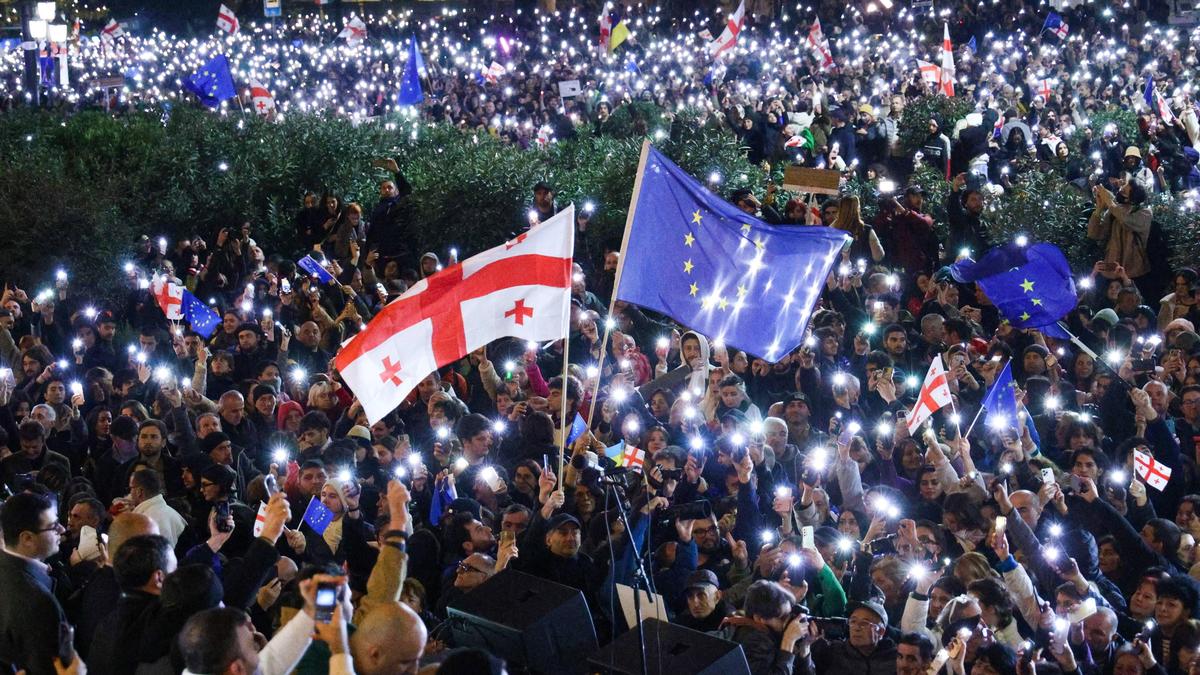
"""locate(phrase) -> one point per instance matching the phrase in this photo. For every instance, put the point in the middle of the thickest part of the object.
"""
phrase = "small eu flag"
(213, 83)
(310, 265)
(706, 263)
(578, 426)
(317, 516)
(1031, 286)
(202, 319)
(1000, 402)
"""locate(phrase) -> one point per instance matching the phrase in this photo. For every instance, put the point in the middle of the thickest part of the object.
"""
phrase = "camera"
(834, 628)
(671, 474)
(699, 510)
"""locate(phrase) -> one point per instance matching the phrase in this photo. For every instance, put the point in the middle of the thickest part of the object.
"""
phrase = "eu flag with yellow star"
(1031, 285)
(704, 262)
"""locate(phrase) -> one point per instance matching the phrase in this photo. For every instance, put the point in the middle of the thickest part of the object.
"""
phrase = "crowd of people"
(161, 484)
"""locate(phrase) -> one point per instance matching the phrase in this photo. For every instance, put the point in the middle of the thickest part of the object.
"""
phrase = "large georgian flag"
(520, 289)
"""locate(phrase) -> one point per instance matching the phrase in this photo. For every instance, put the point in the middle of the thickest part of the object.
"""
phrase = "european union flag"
(707, 264)
(317, 516)
(202, 319)
(1055, 24)
(578, 426)
(1001, 402)
(310, 265)
(213, 83)
(410, 82)
(1031, 285)
(443, 494)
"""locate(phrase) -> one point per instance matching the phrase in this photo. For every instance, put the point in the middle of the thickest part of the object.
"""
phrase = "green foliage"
(914, 123)
(91, 184)
(1125, 121)
(1043, 206)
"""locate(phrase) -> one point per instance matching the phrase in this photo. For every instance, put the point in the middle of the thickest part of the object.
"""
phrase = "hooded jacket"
(683, 377)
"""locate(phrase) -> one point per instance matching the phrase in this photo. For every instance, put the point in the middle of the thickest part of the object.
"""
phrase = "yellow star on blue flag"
(772, 275)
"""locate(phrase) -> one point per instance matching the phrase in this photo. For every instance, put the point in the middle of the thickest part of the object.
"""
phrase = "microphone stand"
(640, 578)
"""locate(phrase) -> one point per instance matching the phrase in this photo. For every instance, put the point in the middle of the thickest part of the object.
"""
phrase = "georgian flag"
(355, 31)
(1044, 89)
(520, 289)
(605, 27)
(227, 20)
(733, 26)
(819, 46)
(493, 72)
(260, 520)
(947, 83)
(260, 98)
(935, 395)
(930, 72)
(1154, 473)
(112, 30)
(634, 458)
(169, 297)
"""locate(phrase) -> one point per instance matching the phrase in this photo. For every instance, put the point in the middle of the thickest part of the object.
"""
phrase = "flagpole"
(564, 389)
(609, 321)
(981, 407)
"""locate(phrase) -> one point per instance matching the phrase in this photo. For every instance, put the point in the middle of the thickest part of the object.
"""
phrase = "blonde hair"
(972, 566)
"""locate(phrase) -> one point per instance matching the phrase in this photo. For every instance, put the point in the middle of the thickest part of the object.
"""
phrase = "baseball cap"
(795, 396)
(542, 185)
(700, 578)
(465, 505)
(560, 519)
(871, 605)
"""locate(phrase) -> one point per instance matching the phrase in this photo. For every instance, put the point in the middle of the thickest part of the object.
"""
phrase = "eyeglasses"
(55, 526)
(863, 623)
(464, 568)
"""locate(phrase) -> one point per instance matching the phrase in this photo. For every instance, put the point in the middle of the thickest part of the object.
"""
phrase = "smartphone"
(66, 643)
(326, 601)
(1143, 365)
(223, 524)
(1083, 611)
(271, 484)
(1076, 484)
(285, 286)
(1047, 476)
(1001, 524)
(806, 538)
(507, 537)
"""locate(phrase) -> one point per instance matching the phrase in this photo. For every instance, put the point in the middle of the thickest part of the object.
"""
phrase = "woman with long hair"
(865, 243)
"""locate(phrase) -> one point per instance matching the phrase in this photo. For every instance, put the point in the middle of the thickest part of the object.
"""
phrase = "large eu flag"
(1031, 285)
(213, 83)
(707, 264)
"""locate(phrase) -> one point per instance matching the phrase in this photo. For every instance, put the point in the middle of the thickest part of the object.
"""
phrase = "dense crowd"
(783, 506)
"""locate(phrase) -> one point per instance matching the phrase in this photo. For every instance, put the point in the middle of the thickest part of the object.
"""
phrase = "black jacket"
(29, 617)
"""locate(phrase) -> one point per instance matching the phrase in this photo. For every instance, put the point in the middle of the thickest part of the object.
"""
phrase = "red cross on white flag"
(634, 458)
(260, 98)
(227, 20)
(930, 72)
(819, 46)
(733, 26)
(112, 30)
(935, 395)
(1155, 473)
(355, 31)
(947, 83)
(519, 289)
(169, 297)
(260, 520)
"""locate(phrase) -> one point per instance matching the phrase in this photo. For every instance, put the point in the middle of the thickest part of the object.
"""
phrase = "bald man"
(390, 640)
(1026, 503)
(100, 595)
(1100, 633)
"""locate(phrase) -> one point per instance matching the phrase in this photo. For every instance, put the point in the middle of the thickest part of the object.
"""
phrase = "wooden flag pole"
(609, 322)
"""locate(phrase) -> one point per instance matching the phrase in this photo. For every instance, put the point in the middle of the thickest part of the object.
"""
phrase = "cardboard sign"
(811, 181)
(569, 88)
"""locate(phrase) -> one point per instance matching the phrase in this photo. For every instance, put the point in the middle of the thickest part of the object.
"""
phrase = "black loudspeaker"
(670, 649)
(528, 621)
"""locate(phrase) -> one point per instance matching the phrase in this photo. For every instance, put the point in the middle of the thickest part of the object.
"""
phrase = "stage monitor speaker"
(670, 650)
(528, 621)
